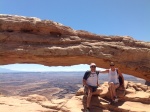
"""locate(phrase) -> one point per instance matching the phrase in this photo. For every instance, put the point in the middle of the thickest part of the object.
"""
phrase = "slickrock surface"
(16, 104)
(132, 101)
(31, 40)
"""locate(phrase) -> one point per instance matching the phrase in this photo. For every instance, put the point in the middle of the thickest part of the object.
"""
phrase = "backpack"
(119, 78)
(120, 90)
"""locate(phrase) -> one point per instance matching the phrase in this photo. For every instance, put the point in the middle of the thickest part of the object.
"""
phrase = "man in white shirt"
(90, 80)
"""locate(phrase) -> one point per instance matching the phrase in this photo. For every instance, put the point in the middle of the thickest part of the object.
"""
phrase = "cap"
(92, 64)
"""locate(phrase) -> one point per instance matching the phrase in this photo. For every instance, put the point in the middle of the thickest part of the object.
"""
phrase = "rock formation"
(135, 99)
(31, 40)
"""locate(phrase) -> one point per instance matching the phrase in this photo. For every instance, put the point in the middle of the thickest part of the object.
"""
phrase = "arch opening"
(35, 44)
(58, 84)
(74, 68)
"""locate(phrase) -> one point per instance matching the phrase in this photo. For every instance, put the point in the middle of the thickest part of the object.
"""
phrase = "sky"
(103, 17)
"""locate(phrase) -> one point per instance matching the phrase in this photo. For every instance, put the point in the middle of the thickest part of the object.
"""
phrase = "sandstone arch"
(31, 40)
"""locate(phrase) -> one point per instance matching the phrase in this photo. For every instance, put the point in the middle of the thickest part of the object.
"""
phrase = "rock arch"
(31, 40)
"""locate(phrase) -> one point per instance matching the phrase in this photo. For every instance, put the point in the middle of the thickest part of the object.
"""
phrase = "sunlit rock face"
(133, 98)
(31, 40)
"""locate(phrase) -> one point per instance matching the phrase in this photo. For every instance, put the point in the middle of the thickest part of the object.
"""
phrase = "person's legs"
(92, 91)
(115, 95)
(89, 96)
(115, 87)
(111, 90)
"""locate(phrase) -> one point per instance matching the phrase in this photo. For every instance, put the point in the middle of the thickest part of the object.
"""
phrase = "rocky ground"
(135, 99)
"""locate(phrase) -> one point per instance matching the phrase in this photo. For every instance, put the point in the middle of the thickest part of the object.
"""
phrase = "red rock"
(31, 40)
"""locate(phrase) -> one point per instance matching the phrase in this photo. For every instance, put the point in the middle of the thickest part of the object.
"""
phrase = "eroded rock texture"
(31, 40)
(135, 99)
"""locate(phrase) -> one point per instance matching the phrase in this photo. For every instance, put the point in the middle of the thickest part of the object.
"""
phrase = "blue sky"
(104, 17)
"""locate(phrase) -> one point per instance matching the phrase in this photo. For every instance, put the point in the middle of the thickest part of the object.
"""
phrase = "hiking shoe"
(115, 100)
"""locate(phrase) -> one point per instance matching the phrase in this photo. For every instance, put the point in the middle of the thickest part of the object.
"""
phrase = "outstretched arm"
(104, 71)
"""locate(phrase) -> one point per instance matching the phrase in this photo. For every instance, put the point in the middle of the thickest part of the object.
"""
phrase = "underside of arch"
(31, 40)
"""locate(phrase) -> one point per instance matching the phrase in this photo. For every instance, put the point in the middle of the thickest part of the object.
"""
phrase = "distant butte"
(31, 40)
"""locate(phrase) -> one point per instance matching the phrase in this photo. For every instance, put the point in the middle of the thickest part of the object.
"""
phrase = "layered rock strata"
(31, 40)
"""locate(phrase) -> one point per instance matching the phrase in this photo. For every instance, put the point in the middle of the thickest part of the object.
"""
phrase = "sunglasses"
(112, 65)
(93, 66)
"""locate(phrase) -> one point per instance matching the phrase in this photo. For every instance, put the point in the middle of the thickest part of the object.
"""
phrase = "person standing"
(90, 81)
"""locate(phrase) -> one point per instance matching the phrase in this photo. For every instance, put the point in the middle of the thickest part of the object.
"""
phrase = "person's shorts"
(94, 88)
(116, 84)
